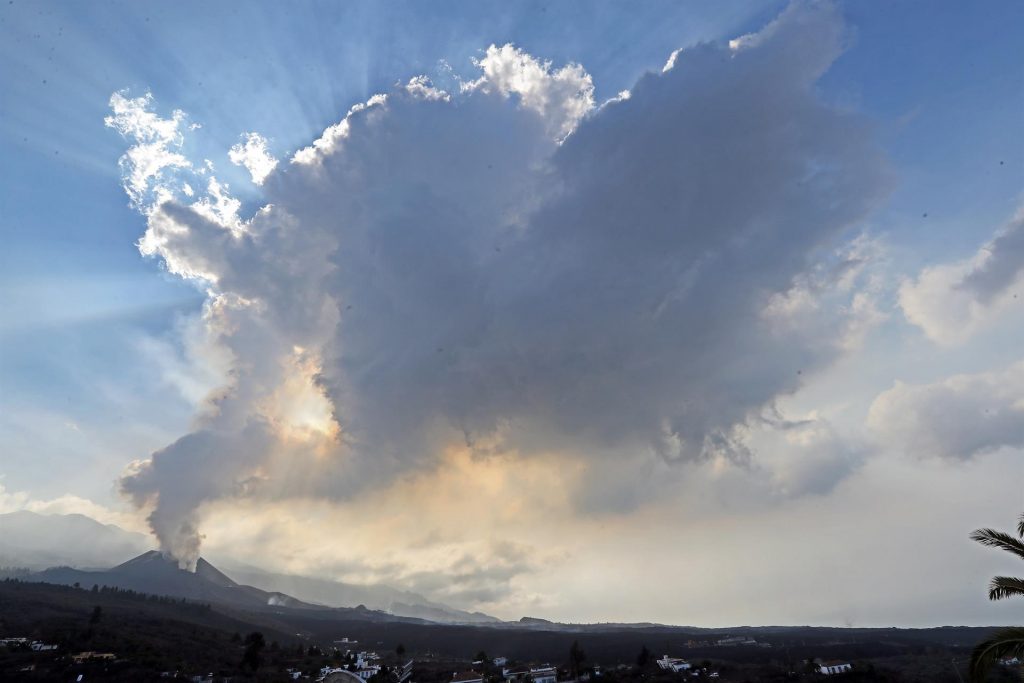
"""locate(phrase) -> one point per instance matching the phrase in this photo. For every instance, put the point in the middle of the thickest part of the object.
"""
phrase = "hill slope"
(375, 597)
(36, 541)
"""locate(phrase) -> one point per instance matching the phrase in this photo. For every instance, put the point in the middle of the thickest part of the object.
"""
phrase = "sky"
(698, 313)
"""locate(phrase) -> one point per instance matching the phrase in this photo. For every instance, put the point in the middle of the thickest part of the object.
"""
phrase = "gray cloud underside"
(1004, 263)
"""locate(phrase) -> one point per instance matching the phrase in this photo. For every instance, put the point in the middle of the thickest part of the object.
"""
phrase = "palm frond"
(1009, 642)
(1004, 587)
(1020, 526)
(998, 539)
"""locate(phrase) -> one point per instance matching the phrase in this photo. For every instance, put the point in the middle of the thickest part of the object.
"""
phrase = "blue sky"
(95, 366)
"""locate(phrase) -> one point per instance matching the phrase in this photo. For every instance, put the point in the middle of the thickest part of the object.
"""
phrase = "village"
(77, 635)
(343, 661)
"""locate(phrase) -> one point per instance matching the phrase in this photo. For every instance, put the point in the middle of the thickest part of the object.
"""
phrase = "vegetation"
(150, 635)
(576, 659)
(1008, 642)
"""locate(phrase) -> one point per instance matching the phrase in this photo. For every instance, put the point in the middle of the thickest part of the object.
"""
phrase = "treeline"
(127, 593)
(15, 572)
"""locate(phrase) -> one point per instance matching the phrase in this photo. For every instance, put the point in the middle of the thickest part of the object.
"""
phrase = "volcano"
(158, 574)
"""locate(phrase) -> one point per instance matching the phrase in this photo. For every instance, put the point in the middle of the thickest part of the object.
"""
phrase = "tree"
(1008, 642)
(97, 614)
(643, 657)
(253, 646)
(400, 650)
(481, 657)
(576, 658)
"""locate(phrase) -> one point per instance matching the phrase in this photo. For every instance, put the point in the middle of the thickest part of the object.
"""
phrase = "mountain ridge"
(56, 547)
(153, 572)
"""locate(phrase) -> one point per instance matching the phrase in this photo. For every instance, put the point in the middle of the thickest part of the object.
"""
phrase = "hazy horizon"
(701, 314)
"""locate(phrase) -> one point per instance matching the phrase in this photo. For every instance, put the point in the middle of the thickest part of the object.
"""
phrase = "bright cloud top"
(254, 156)
(512, 269)
(157, 146)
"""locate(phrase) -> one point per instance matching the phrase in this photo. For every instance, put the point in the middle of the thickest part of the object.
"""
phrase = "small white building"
(834, 666)
(467, 677)
(515, 673)
(673, 664)
(544, 674)
(337, 675)
(368, 672)
(500, 661)
(404, 672)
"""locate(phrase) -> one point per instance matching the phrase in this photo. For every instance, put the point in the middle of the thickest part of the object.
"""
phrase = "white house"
(544, 674)
(673, 664)
(337, 675)
(834, 666)
(515, 673)
(500, 661)
(404, 672)
(467, 677)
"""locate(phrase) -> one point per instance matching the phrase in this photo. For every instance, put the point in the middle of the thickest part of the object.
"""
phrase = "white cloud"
(956, 418)
(420, 86)
(157, 147)
(954, 301)
(253, 155)
(512, 269)
(333, 136)
(562, 97)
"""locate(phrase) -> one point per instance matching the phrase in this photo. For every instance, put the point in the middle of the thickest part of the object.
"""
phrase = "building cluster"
(26, 644)
(733, 641)
(361, 666)
(678, 665)
(728, 641)
(830, 667)
(91, 656)
(510, 674)
(673, 664)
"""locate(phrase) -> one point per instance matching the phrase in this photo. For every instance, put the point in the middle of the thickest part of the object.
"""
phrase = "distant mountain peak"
(34, 540)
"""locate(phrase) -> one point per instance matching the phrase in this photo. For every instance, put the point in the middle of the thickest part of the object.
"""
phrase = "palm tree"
(1008, 642)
